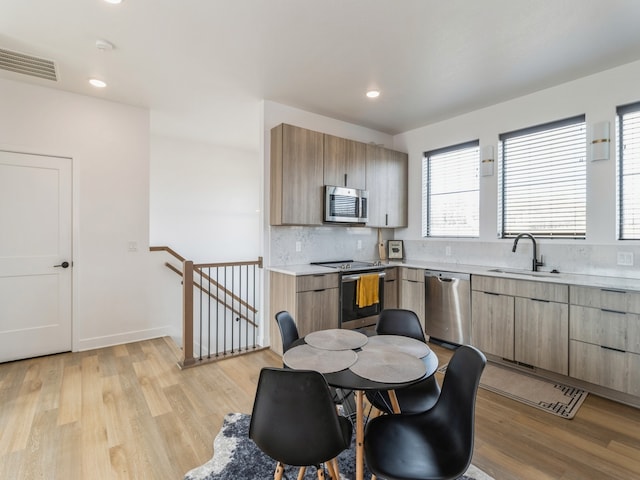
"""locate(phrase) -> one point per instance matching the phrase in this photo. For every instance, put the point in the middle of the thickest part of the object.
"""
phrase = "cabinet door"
(391, 293)
(412, 297)
(397, 194)
(387, 186)
(297, 176)
(599, 365)
(317, 310)
(492, 323)
(344, 162)
(542, 334)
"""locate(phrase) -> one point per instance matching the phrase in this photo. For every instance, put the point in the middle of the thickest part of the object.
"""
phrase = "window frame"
(503, 232)
(622, 110)
(426, 185)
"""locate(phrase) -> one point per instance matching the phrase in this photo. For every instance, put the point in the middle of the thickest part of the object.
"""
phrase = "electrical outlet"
(298, 246)
(359, 245)
(133, 246)
(625, 259)
(447, 251)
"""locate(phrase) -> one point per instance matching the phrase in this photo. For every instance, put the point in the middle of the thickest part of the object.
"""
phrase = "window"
(628, 132)
(450, 191)
(542, 180)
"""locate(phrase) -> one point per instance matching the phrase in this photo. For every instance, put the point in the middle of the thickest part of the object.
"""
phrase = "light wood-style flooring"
(128, 412)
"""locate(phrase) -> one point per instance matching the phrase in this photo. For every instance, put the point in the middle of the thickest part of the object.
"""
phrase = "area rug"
(555, 398)
(236, 457)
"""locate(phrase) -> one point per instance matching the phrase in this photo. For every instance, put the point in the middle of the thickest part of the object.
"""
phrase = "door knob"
(63, 265)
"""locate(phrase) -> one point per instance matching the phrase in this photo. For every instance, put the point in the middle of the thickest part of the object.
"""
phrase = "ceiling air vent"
(27, 65)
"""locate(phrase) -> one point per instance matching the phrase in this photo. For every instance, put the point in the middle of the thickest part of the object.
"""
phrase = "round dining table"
(380, 367)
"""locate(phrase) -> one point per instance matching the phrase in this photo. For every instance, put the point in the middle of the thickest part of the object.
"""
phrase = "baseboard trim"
(118, 339)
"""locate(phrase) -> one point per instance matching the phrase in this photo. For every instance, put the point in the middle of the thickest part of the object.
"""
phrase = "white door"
(35, 244)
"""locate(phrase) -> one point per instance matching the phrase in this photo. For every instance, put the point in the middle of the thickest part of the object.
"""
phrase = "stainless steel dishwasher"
(448, 306)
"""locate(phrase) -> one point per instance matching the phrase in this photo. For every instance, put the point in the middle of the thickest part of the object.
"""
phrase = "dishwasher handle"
(446, 276)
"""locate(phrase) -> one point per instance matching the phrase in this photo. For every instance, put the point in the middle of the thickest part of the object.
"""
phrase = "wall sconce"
(600, 141)
(487, 161)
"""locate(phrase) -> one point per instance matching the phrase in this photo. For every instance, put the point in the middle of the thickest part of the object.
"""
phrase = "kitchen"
(596, 255)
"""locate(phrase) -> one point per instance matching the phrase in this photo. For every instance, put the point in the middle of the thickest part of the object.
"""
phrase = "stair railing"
(219, 317)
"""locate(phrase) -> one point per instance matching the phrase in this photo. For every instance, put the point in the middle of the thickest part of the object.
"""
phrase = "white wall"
(205, 200)
(109, 146)
(596, 96)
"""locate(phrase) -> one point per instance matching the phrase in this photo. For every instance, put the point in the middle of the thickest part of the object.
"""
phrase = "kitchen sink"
(512, 271)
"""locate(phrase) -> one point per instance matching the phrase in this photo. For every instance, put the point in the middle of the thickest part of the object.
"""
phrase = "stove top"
(350, 265)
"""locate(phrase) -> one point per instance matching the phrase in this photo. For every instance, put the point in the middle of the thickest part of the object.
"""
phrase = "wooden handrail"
(198, 269)
(168, 250)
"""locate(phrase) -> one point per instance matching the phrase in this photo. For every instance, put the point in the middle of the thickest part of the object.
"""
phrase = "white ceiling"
(202, 66)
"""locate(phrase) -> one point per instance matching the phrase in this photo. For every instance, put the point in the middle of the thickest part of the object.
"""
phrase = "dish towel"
(367, 290)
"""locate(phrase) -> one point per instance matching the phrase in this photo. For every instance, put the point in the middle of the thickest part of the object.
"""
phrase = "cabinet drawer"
(552, 292)
(316, 282)
(390, 274)
(598, 327)
(607, 298)
(412, 274)
(598, 365)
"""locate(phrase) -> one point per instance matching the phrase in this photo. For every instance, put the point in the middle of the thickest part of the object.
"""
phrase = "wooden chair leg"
(301, 472)
(321, 473)
(279, 471)
(332, 470)
(336, 468)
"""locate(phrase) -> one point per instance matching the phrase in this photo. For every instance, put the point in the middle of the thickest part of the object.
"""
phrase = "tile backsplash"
(301, 245)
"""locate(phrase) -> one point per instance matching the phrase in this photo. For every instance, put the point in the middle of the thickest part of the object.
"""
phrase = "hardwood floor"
(127, 412)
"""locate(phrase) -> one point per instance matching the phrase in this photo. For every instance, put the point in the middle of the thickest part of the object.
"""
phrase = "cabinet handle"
(321, 290)
(613, 349)
(492, 293)
(386, 219)
(612, 311)
(389, 281)
(540, 300)
(345, 179)
(612, 290)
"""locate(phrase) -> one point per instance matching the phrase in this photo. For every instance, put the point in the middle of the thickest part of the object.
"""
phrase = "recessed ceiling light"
(373, 93)
(97, 83)
(114, 2)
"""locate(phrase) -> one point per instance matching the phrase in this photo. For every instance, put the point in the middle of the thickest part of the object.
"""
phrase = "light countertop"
(621, 283)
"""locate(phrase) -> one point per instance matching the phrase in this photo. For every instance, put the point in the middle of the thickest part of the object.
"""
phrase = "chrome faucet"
(535, 263)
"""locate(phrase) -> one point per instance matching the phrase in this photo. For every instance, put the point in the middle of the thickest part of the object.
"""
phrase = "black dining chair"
(415, 398)
(289, 334)
(294, 421)
(288, 329)
(438, 443)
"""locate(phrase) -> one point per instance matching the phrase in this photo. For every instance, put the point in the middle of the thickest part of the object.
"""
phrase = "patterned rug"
(236, 457)
(555, 398)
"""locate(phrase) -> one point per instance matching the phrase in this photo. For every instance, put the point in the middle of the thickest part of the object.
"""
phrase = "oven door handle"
(356, 277)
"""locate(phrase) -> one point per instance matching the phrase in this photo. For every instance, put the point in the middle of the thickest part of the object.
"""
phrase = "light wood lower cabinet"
(605, 338)
(411, 291)
(391, 288)
(522, 321)
(312, 300)
(493, 323)
(542, 334)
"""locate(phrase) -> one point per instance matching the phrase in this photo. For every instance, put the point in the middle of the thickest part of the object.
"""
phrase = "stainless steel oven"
(351, 315)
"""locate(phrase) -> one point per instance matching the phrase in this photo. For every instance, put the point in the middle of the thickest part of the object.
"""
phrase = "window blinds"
(629, 172)
(450, 194)
(542, 180)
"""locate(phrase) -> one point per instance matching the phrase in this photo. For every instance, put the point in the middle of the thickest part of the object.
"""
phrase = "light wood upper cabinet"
(386, 175)
(297, 176)
(344, 162)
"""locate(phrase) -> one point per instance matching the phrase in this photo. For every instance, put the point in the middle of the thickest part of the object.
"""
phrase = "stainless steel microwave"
(345, 205)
